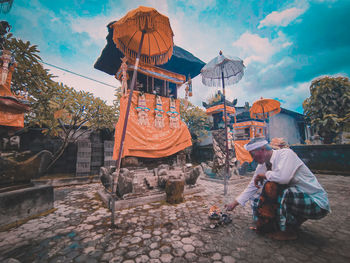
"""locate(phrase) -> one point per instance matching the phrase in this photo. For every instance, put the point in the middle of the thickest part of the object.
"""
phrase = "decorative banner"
(158, 111)
(125, 76)
(142, 110)
(173, 115)
(149, 142)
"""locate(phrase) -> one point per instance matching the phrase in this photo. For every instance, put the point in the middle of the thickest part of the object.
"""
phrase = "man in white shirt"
(283, 192)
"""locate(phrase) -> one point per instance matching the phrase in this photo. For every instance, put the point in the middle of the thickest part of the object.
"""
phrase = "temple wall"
(329, 158)
(284, 126)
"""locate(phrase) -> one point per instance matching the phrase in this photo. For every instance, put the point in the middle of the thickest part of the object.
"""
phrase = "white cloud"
(260, 49)
(284, 62)
(95, 27)
(283, 18)
(293, 96)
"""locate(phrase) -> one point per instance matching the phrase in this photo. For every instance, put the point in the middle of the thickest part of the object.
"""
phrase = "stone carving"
(12, 171)
(139, 181)
(124, 182)
(220, 155)
(106, 177)
(11, 143)
(192, 176)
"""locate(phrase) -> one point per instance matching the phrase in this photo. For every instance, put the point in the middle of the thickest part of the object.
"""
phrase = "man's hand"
(259, 179)
(231, 206)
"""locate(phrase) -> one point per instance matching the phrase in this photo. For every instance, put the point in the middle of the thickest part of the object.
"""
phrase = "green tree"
(29, 78)
(70, 111)
(195, 118)
(328, 106)
(60, 110)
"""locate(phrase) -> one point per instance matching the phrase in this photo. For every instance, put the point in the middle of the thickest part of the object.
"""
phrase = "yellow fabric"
(264, 108)
(242, 154)
(157, 47)
(148, 141)
(219, 108)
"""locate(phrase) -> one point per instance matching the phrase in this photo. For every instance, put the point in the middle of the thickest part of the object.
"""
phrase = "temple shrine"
(241, 128)
(154, 129)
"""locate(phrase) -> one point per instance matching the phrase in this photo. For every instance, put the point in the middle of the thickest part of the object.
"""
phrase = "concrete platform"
(21, 204)
(58, 182)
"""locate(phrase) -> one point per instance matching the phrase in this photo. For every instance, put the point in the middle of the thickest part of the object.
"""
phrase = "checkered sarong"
(294, 207)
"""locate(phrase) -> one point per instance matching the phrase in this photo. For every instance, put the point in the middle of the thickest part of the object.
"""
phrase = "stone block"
(174, 190)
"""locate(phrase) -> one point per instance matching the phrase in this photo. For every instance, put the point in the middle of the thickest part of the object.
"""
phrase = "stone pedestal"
(174, 190)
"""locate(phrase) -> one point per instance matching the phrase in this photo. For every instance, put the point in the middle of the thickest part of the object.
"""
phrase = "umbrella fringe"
(122, 28)
(153, 60)
(216, 82)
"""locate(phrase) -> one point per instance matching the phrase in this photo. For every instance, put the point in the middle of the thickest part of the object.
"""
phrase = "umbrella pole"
(227, 168)
(116, 174)
(265, 124)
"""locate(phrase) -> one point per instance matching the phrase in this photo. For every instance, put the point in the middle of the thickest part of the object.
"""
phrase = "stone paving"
(79, 231)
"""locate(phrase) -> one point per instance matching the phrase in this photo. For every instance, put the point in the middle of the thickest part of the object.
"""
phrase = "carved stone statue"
(13, 172)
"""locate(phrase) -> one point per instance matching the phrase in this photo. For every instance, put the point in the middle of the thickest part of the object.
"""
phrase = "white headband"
(255, 145)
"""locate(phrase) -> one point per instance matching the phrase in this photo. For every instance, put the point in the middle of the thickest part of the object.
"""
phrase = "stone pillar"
(174, 189)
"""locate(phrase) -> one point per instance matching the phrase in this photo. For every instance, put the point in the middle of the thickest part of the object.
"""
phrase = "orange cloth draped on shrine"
(11, 118)
(149, 141)
(242, 154)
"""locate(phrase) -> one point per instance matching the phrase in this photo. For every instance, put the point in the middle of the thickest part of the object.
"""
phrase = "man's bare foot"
(283, 235)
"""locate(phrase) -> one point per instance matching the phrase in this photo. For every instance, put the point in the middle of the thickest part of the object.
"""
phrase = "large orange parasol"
(142, 34)
(265, 108)
(145, 26)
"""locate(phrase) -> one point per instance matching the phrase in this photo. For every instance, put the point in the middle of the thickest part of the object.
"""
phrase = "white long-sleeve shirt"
(287, 168)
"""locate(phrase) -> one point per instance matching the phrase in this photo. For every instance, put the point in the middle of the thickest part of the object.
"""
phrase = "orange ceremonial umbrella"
(145, 35)
(265, 108)
(146, 29)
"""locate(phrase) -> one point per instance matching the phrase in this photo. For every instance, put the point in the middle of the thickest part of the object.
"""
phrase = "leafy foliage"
(196, 120)
(58, 109)
(328, 106)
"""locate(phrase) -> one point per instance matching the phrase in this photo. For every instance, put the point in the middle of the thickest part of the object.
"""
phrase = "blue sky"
(284, 44)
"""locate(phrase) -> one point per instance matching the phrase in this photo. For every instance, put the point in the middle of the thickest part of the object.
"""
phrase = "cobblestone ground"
(79, 231)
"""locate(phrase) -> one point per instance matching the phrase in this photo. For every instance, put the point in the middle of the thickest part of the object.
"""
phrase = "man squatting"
(283, 192)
